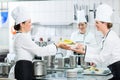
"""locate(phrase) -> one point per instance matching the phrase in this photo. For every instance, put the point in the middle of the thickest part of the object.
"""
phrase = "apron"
(115, 69)
(24, 70)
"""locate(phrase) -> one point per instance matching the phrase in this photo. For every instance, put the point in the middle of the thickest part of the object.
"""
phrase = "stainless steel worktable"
(62, 76)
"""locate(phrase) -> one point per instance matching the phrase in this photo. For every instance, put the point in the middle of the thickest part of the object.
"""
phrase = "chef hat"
(20, 14)
(104, 13)
(81, 16)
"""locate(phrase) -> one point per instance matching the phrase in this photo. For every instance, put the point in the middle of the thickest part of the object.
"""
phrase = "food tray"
(97, 74)
(65, 68)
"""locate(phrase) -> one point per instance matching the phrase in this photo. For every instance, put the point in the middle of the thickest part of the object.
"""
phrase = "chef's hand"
(80, 49)
(63, 46)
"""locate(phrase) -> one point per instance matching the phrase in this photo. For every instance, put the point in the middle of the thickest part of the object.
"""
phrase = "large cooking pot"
(4, 68)
(39, 68)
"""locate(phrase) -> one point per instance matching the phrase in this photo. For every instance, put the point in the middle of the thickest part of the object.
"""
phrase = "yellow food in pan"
(67, 41)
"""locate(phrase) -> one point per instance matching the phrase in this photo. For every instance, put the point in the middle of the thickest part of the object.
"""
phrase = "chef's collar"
(107, 34)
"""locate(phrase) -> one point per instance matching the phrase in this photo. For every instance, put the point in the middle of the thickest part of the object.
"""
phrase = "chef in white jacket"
(25, 48)
(109, 53)
(83, 34)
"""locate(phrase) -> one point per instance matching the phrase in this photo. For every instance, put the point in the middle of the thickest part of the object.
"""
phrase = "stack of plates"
(71, 73)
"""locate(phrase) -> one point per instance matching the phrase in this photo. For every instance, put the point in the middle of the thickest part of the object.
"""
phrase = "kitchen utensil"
(73, 61)
(50, 61)
(82, 61)
(39, 68)
(4, 68)
(61, 63)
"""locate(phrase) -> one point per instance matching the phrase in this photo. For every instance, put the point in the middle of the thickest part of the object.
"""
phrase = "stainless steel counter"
(62, 76)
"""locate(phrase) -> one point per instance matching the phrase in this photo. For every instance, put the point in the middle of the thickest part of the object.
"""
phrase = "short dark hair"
(85, 22)
(17, 27)
(109, 25)
(82, 23)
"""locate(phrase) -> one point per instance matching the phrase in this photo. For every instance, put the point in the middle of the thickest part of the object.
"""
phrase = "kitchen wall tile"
(116, 4)
(116, 28)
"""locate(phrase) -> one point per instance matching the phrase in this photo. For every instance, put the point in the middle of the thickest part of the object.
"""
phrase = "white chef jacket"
(108, 54)
(88, 38)
(25, 48)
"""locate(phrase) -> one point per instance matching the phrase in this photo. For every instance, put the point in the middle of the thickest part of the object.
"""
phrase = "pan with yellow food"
(68, 41)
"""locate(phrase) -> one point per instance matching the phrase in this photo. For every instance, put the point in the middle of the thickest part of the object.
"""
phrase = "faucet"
(58, 53)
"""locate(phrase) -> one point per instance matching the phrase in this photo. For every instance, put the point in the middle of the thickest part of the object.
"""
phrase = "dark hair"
(81, 24)
(17, 27)
(85, 22)
(109, 25)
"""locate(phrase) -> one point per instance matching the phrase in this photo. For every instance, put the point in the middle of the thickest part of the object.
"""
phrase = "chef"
(25, 48)
(109, 53)
(82, 35)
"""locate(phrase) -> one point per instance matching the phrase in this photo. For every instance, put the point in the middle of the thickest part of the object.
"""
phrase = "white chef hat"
(104, 13)
(20, 14)
(81, 16)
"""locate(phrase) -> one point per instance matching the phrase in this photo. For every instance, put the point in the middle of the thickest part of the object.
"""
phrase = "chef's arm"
(98, 56)
(42, 51)
(91, 54)
(80, 49)
(62, 45)
(28, 45)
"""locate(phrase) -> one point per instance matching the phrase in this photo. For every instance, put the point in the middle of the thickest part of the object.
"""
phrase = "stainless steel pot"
(82, 61)
(73, 61)
(50, 61)
(4, 68)
(39, 68)
(61, 63)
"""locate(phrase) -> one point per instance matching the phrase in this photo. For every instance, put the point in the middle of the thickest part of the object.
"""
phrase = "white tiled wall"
(55, 32)
(4, 38)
